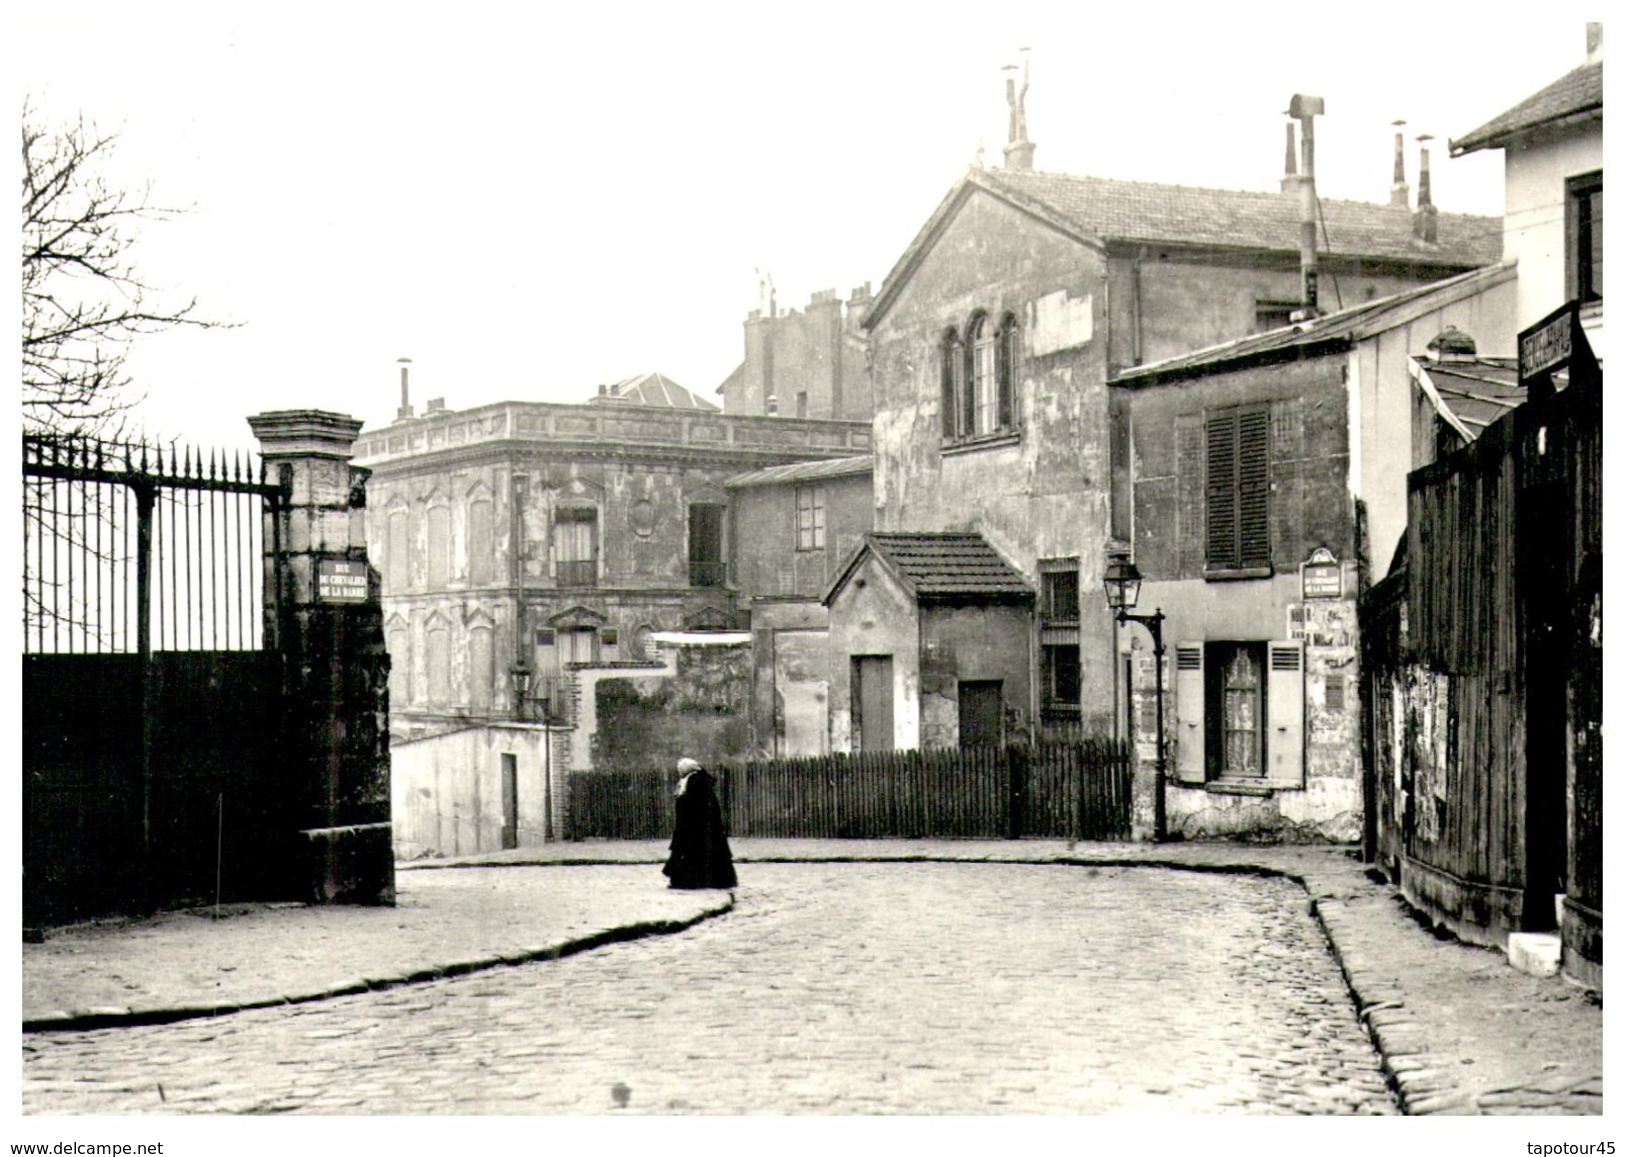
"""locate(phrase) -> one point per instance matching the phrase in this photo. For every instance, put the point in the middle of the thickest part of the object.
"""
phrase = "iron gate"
(151, 679)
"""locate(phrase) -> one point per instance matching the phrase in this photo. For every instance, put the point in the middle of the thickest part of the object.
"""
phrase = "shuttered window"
(1238, 485)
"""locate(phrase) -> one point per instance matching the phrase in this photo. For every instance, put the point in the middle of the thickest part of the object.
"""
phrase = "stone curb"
(85, 1020)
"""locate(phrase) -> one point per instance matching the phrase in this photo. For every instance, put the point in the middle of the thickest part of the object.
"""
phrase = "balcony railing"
(578, 573)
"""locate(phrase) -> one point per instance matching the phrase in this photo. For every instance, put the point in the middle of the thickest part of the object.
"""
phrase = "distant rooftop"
(804, 472)
(1241, 219)
(652, 389)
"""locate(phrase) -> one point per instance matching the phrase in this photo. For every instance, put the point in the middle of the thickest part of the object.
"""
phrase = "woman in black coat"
(700, 857)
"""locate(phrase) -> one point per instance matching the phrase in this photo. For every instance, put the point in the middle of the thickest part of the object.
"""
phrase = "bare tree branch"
(83, 300)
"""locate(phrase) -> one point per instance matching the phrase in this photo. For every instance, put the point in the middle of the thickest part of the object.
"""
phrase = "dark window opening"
(1585, 237)
(1059, 599)
(706, 564)
(1062, 676)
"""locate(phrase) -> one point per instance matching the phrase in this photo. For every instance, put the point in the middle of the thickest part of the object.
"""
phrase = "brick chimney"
(1399, 196)
(1425, 221)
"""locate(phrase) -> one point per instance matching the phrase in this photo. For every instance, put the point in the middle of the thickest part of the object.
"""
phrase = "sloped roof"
(940, 568)
(1576, 94)
(1471, 394)
(1338, 330)
(732, 380)
(1096, 210)
(1242, 219)
(803, 471)
(654, 389)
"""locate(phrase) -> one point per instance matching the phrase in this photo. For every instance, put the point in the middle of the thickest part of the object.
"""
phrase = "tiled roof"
(1338, 330)
(942, 568)
(1239, 219)
(654, 389)
(1578, 92)
(1471, 395)
(803, 471)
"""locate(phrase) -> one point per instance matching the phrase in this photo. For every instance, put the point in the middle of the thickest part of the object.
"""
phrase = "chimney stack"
(1289, 178)
(1304, 109)
(1425, 221)
(1018, 154)
(1400, 195)
(1593, 42)
(405, 411)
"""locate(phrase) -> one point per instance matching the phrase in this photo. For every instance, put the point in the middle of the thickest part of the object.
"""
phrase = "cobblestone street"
(830, 988)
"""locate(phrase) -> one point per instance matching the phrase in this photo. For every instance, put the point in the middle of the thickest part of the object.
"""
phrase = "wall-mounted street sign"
(340, 580)
(1555, 342)
(1321, 575)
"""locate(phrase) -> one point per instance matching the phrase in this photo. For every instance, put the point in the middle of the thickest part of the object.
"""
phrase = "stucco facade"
(555, 534)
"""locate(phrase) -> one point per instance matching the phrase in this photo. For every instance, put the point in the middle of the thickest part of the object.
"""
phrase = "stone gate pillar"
(324, 615)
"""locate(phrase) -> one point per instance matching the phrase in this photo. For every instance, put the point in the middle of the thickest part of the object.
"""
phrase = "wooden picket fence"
(1076, 790)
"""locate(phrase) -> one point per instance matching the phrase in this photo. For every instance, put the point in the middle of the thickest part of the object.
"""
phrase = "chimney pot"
(1593, 40)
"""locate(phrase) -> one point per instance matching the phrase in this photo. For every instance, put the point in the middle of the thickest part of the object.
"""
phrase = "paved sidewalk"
(1460, 1032)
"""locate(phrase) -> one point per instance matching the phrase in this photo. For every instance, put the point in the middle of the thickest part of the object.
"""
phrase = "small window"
(984, 378)
(810, 517)
(801, 404)
(978, 377)
(1584, 219)
(1059, 590)
(575, 545)
(1063, 681)
(1238, 483)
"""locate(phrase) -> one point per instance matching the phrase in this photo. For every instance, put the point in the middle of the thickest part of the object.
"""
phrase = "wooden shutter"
(1221, 490)
(1190, 732)
(1253, 487)
(1284, 696)
(950, 361)
(1238, 488)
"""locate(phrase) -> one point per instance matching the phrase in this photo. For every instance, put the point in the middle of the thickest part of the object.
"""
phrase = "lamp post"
(1122, 583)
(525, 712)
(520, 674)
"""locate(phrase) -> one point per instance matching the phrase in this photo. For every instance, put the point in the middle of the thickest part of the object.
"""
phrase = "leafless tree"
(83, 299)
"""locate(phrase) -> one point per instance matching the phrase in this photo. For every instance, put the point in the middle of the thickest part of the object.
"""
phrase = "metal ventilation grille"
(1188, 658)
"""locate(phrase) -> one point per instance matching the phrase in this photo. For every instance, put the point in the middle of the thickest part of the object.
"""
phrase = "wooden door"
(872, 702)
(981, 713)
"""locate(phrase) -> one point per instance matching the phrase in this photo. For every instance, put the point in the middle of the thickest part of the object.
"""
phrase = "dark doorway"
(1540, 557)
(510, 800)
(872, 702)
(981, 713)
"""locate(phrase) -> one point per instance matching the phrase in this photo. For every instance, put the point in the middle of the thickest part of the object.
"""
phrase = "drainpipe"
(1304, 110)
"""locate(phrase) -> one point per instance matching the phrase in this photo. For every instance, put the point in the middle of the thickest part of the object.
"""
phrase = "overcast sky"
(529, 204)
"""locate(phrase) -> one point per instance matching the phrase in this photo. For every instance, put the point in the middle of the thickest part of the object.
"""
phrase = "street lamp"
(525, 712)
(1122, 583)
(520, 674)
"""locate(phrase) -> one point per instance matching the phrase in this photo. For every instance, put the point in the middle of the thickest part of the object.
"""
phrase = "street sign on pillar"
(1555, 343)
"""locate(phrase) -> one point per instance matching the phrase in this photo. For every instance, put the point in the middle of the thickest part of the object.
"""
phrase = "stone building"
(558, 534)
(1264, 486)
(995, 334)
(809, 363)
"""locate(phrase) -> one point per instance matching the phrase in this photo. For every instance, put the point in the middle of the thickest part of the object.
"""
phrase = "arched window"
(952, 367)
(1009, 350)
(984, 400)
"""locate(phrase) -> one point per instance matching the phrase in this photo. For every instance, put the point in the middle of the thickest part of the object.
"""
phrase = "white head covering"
(686, 765)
